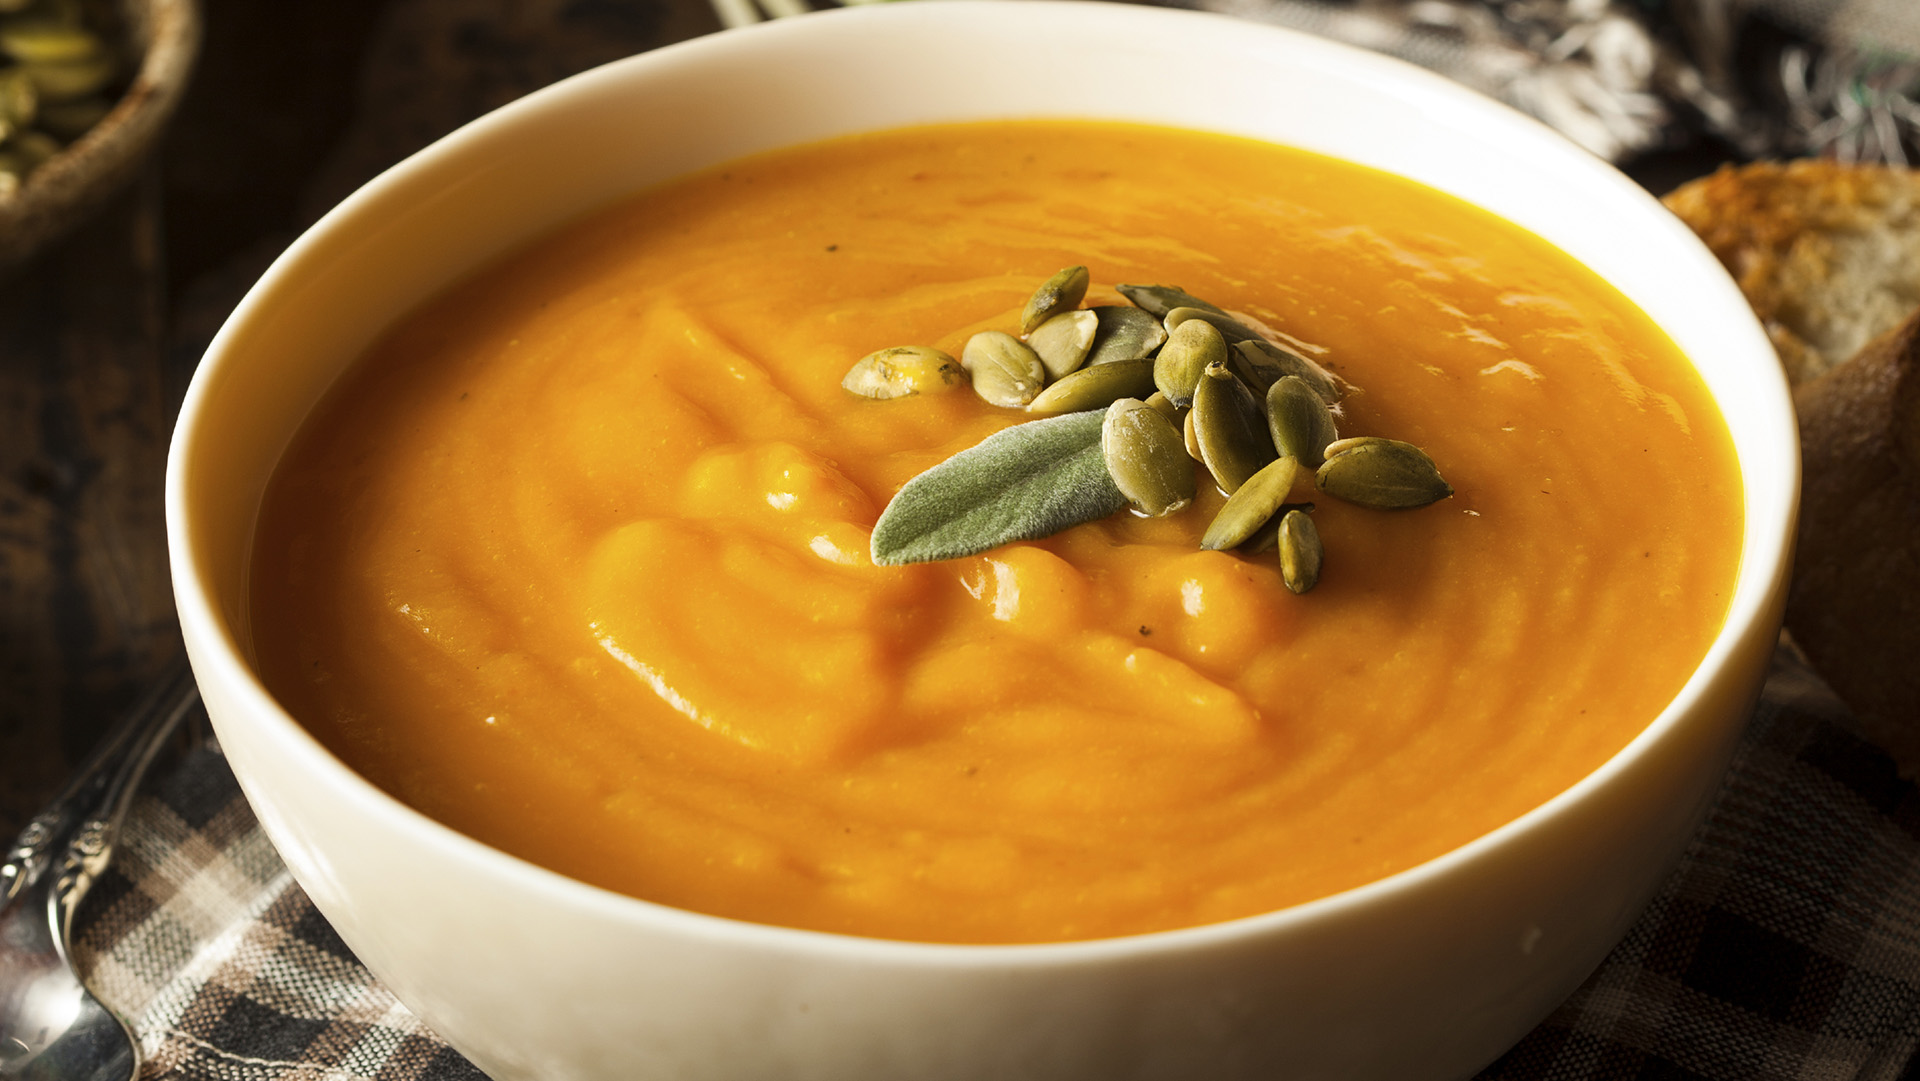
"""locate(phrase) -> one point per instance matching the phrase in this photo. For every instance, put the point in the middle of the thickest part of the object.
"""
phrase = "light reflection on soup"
(575, 559)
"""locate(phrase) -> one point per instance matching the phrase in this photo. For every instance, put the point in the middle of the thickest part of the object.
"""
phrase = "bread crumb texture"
(1828, 254)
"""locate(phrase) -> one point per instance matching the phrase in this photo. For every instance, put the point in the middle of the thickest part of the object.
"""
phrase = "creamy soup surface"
(575, 559)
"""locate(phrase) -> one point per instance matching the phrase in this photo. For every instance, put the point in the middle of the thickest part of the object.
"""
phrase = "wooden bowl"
(61, 193)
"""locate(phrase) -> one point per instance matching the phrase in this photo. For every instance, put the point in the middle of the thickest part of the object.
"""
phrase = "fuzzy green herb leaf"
(1028, 481)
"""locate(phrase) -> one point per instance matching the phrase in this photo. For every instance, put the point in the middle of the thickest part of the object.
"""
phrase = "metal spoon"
(51, 1026)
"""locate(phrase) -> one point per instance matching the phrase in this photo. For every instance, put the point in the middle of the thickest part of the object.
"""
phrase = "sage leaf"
(1022, 483)
(1158, 300)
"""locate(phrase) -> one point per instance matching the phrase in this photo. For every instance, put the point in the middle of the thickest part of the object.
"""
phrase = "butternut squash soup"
(578, 559)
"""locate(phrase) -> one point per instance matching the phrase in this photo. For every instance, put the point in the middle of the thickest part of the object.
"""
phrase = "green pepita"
(1254, 367)
(1063, 341)
(1253, 506)
(1124, 333)
(1096, 388)
(1062, 292)
(1384, 474)
(68, 80)
(1267, 537)
(1158, 300)
(19, 102)
(47, 41)
(1167, 409)
(903, 370)
(1299, 421)
(1233, 330)
(1187, 354)
(1229, 427)
(1005, 371)
(1145, 459)
(1266, 356)
(1300, 551)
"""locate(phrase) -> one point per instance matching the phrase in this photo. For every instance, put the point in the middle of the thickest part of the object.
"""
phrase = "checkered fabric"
(1787, 946)
(200, 936)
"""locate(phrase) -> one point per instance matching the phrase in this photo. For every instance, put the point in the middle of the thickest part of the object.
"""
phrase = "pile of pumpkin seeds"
(55, 72)
(1140, 394)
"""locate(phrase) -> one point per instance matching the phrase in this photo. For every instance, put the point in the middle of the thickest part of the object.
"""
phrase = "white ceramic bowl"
(1428, 974)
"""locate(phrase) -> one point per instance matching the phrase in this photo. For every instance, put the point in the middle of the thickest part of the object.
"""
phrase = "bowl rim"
(220, 655)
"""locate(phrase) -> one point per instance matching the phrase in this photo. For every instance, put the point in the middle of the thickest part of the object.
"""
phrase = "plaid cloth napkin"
(1787, 945)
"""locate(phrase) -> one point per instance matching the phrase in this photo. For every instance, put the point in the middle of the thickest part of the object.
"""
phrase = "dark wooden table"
(294, 104)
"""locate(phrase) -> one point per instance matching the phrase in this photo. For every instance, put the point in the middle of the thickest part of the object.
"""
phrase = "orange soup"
(576, 559)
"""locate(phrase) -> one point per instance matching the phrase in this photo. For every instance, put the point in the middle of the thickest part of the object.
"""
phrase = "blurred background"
(293, 103)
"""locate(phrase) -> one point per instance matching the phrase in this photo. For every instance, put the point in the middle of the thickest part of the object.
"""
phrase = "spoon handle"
(83, 822)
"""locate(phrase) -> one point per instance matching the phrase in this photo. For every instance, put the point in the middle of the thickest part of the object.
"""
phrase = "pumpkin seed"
(47, 41)
(1255, 368)
(1063, 341)
(1005, 372)
(1187, 354)
(1096, 388)
(53, 68)
(1193, 441)
(1300, 551)
(1124, 333)
(1299, 421)
(1267, 537)
(1144, 457)
(1384, 474)
(1158, 300)
(18, 101)
(1233, 330)
(1264, 355)
(1227, 424)
(1253, 506)
(1062, 292)
(68, 80)
(1167, 409)
(903, 370)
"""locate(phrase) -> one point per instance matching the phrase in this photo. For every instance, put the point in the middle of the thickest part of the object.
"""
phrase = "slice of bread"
(1828, 254)
(1854, 606)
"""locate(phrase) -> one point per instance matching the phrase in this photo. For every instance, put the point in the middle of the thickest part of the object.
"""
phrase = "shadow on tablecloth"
(1787, 945)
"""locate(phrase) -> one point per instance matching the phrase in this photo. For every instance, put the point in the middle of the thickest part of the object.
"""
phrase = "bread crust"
(1854, 605)
(1828, 254)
